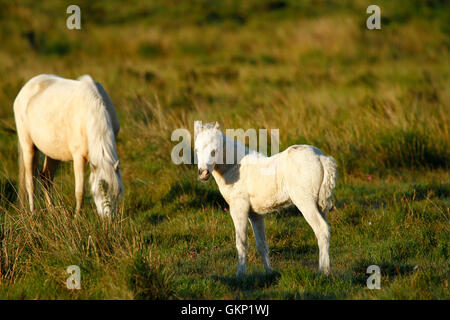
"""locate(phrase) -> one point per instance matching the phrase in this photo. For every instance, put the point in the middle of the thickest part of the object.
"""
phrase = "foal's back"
(270, 182)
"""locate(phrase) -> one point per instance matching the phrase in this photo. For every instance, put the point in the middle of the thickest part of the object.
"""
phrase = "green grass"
(378, 101)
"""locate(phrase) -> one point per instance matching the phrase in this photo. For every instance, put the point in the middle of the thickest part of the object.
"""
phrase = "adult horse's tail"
(325, 200)
(21, 178)
(21, 187)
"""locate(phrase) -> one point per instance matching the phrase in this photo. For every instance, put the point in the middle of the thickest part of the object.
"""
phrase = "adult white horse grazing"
(253, 184)
(69, 120)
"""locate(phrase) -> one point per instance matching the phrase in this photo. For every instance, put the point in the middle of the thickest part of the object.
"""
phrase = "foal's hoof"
(240, 274)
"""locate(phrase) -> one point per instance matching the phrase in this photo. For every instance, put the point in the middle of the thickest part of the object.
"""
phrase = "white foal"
(253, 184)
(69, 120)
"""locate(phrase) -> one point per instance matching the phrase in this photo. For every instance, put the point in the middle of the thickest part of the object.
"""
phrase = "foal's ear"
(217, 126)
(116, 166)
(93, 167)
(197, 126)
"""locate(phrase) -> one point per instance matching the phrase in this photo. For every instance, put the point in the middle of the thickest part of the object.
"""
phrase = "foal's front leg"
(257, 221)
(239, 213)
(78, 166)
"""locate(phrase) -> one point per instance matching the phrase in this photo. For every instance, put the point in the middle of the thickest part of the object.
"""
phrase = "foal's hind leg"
(312, 215)
(47, 175)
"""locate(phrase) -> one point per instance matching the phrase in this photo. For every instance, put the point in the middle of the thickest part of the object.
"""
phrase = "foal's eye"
(213, 153)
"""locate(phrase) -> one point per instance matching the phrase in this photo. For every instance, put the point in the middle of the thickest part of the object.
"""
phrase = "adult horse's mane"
(101, 138)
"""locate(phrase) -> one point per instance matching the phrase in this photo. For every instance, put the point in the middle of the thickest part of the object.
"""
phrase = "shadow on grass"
(376, 197)
(297, 252)
(253, 281)
(424, 191)
(156, 218)
(291, 211)
(201, 195)
(309, 295)
(8, 192)
(172, 239)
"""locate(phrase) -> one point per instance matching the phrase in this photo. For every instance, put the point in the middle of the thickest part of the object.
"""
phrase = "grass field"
(376, 100)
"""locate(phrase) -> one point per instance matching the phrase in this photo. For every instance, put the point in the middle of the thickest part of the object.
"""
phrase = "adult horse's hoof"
(325, 272)
(270, 272)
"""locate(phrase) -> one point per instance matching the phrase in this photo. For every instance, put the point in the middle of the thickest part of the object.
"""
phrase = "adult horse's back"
(68, 120)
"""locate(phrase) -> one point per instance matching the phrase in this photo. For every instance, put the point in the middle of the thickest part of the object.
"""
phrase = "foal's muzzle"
(204, 174)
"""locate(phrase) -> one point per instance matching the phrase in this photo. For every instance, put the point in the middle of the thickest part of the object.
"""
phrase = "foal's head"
(208, 147)
(106, 187)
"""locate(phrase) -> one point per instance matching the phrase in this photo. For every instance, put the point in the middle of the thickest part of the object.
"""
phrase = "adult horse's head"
(208, 147)
(106, 186)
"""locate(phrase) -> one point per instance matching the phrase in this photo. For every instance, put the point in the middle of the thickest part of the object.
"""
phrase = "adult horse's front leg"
(257, 221)
(239, 213)
(78, 166)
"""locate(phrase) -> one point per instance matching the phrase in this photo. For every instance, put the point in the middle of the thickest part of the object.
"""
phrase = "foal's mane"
(229, 143)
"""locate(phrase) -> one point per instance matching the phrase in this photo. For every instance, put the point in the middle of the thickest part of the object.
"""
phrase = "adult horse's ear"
(217, 126)
(116, 166)
(197, 126)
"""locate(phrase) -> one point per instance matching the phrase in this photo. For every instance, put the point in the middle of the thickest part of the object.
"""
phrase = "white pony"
(69, 120)
(253, 184)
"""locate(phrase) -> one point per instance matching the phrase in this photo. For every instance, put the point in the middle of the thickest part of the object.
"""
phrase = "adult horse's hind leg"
(47, 175)
(312, 215)
(30, 157)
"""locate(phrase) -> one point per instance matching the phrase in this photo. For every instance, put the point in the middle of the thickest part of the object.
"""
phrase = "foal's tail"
(325, 200)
